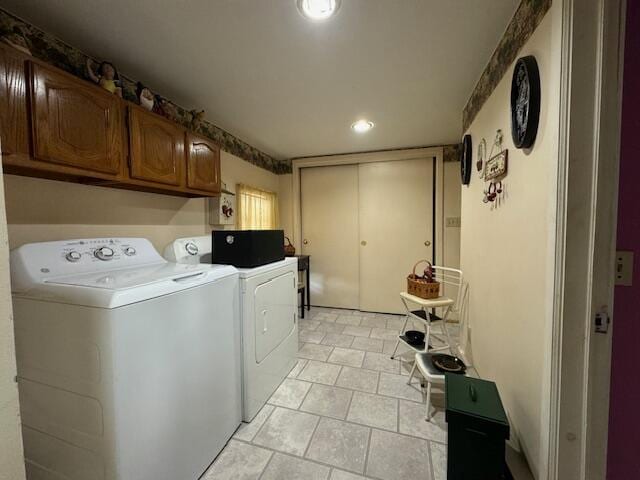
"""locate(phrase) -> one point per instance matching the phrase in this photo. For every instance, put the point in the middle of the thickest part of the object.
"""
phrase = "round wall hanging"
(465, 160)
(525, 102)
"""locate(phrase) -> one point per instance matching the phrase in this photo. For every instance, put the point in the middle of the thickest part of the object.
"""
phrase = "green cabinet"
(478, 428)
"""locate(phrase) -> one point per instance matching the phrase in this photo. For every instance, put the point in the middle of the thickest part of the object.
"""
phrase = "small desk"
(303, 266)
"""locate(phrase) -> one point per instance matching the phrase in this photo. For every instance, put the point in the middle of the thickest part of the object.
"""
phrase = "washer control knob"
(191, 248)
(73, 256)
(104, 253)
(129, 251)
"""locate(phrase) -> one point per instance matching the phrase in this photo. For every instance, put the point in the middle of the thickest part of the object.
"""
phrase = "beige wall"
(41, 210)
(451, 204)
(286, 205)
(507, 255)
(235, 170)
(11, 457)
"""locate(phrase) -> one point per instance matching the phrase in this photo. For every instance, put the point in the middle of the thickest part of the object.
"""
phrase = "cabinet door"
(75, 123)
(203, 164)
(13, 103)
(157, 148)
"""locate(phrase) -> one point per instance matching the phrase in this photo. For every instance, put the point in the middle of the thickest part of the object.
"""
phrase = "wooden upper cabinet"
(74, 123)
(156, 148)
(203, 164)
(14, 125)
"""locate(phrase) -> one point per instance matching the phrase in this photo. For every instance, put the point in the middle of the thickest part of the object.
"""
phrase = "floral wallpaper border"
(451, 153)
(52, 50)
(524, 22)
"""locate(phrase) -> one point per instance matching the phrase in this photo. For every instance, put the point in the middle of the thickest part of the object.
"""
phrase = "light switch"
(453, 222)
(624, 268)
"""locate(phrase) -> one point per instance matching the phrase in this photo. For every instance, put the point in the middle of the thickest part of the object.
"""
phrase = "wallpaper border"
(525, 20)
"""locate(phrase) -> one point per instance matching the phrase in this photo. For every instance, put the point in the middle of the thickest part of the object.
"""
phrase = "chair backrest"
(452, 277)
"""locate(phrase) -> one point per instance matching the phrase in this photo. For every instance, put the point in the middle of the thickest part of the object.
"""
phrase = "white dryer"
(268, 310)
(125, 370)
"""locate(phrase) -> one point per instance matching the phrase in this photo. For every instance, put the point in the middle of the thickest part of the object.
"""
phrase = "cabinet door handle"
(427, 243)
(305, 241)
(363, 243)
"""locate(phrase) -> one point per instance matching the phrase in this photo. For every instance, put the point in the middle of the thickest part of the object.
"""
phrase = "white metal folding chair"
(448, 277)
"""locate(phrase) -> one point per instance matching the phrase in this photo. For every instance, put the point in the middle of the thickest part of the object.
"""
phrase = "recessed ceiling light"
(362, 126)
(318, 10)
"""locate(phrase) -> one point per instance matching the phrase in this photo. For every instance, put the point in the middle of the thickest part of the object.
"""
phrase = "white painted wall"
(286, 205)
(451, 204)
(507, 254)
(40, 210)
(11, 455)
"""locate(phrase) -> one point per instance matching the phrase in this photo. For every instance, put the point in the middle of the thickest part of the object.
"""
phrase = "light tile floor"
(344, 413)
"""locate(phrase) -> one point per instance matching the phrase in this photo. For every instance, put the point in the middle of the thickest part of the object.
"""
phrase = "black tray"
(448, 363)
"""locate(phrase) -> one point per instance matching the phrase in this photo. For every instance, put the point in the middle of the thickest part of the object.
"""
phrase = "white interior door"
(395, 228)
(329, 204)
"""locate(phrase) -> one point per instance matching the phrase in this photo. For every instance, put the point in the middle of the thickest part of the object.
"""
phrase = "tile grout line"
(430, 457)
(263, 423)
(368, 450)
(379, 372)
(267, 465)
(350, 422)
(287, 454)
(315, 429)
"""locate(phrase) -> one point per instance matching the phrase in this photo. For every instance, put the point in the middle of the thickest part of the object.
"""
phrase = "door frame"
(437, 153)
(586, 221)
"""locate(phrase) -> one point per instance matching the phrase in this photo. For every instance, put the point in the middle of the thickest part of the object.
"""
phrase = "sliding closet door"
(395, 228)
(329, 204)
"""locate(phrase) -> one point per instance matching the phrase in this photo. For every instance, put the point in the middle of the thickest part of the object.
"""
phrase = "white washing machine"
(125, 370)
(268, 310)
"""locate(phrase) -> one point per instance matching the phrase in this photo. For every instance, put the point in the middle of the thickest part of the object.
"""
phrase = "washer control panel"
(50, 259)
(87, 250)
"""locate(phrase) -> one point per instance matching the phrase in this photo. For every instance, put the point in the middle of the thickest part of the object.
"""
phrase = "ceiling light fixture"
(362, 126)
(318, 10)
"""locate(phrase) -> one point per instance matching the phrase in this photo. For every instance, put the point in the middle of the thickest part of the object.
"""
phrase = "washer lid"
(117, 288)
(139, 277)
(72, 271)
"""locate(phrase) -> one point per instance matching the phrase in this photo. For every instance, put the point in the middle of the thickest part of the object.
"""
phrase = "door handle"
(305, 241)
(427, 243)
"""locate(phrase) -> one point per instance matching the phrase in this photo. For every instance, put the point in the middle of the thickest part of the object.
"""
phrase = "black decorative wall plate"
(466, 160)
(525, 102)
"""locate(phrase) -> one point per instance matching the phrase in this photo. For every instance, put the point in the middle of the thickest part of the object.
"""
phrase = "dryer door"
(274, 313)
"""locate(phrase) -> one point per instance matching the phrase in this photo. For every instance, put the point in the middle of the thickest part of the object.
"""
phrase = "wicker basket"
(289, 249)
(420, 287)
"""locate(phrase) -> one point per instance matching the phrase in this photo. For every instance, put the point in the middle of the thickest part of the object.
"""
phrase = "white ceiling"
(287, 86)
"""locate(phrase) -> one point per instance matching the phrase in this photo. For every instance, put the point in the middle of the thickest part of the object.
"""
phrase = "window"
(257, 209)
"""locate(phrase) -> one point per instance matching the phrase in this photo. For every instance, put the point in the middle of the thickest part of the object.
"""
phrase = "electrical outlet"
(624, 268)
(453, 222)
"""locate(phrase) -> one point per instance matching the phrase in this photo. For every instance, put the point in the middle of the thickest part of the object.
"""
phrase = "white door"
(395, 228)
(329, 203)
